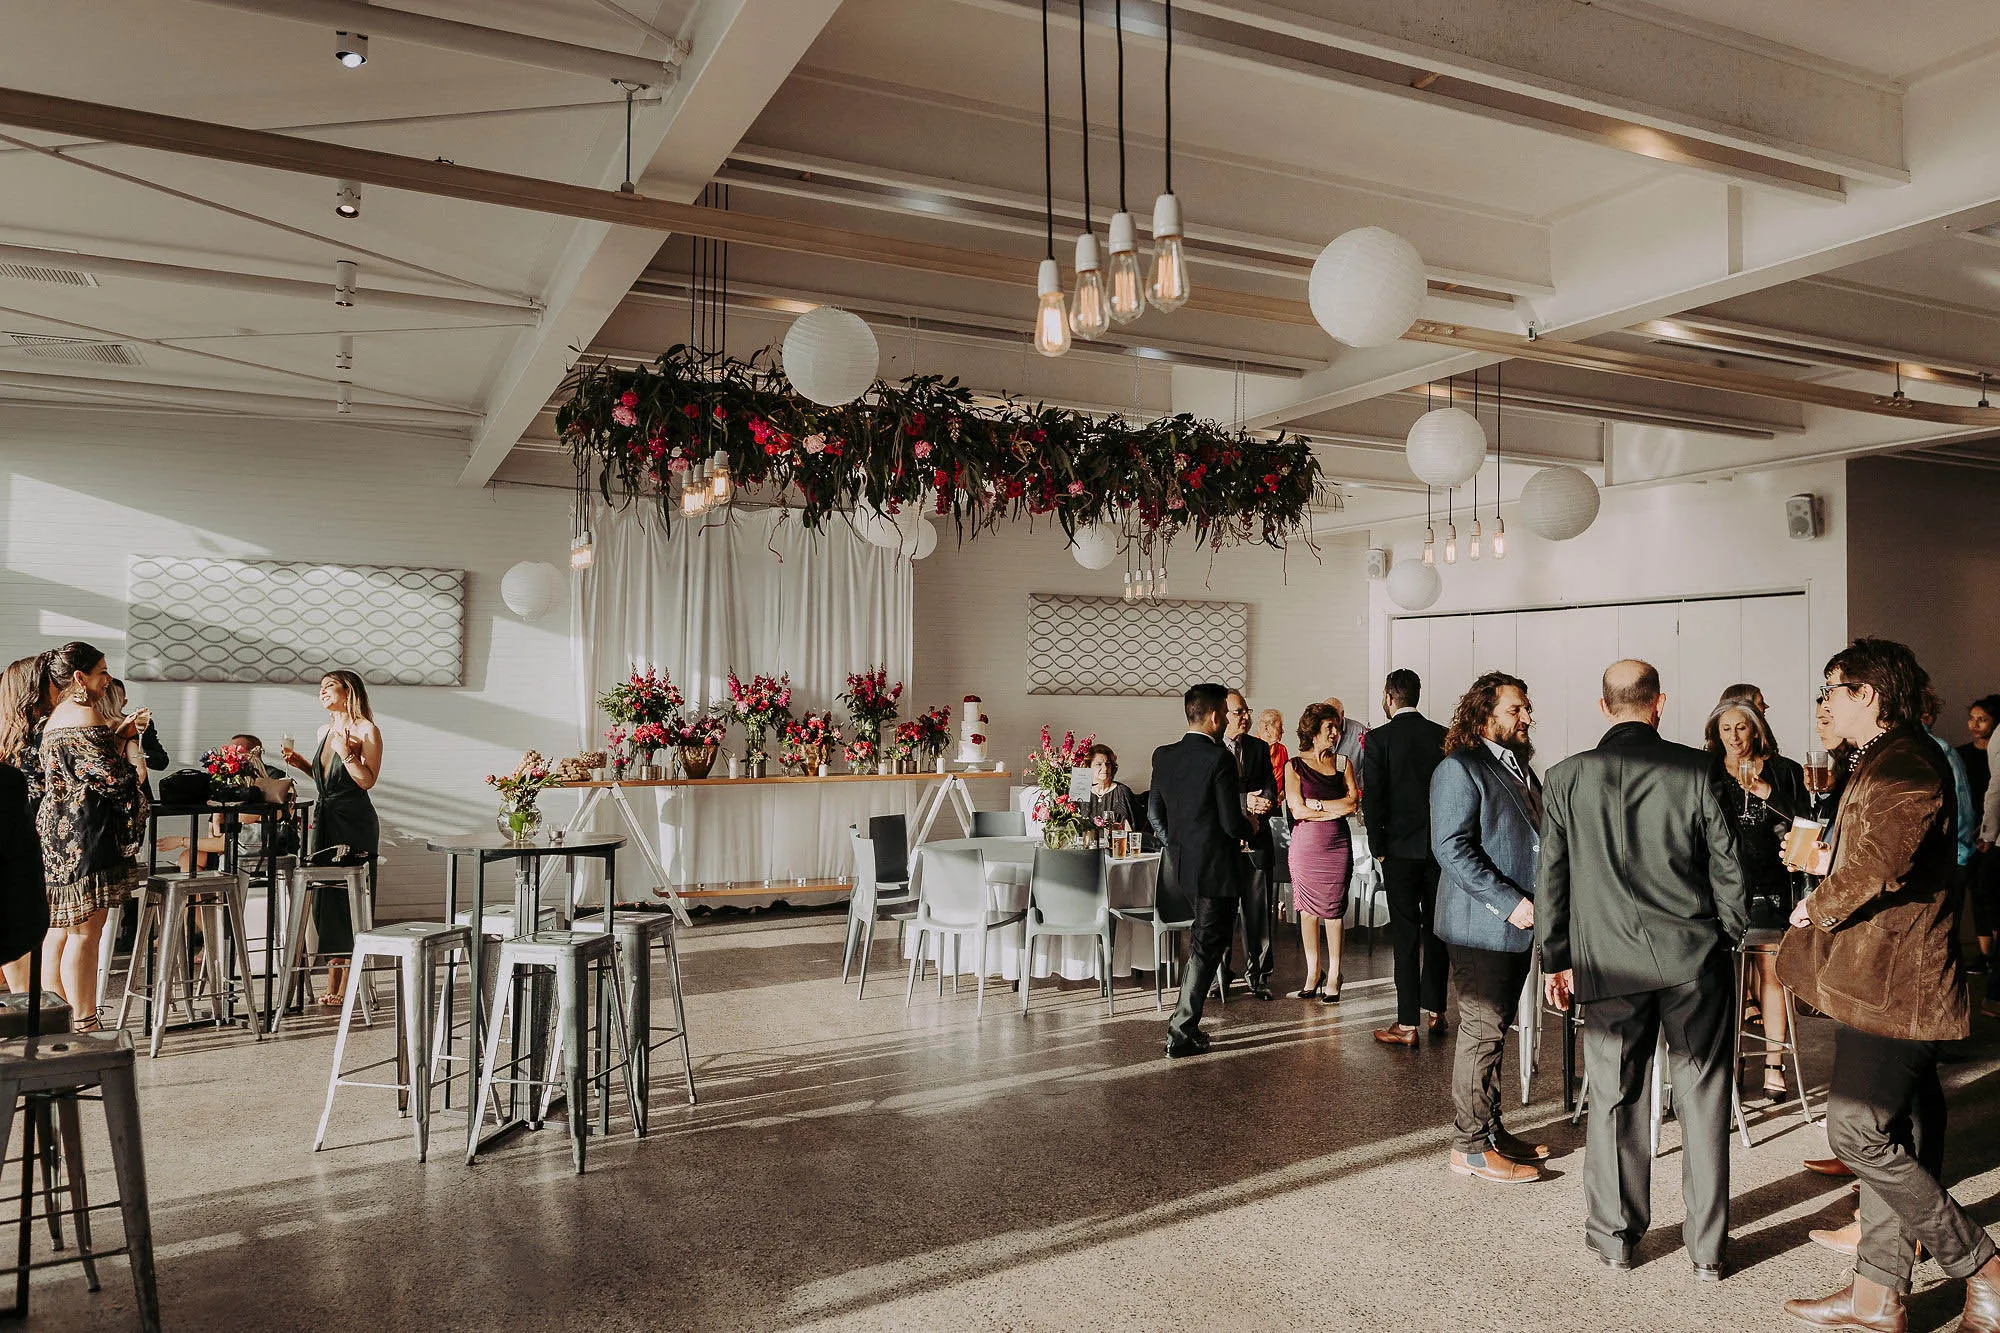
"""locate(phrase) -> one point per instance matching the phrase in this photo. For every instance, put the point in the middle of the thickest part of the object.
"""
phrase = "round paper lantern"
(1414, 585)
(530, 588)
(1095, 545)
(888, 530)
(1559, 503)
(922, 540)
(830, 356)
(1446, 447)
(1367, 287)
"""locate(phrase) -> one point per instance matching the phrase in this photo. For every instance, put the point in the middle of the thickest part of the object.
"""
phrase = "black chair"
(891, 836)
(999, 824)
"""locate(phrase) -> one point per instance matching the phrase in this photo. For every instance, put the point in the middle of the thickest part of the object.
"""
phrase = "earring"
(79, 695)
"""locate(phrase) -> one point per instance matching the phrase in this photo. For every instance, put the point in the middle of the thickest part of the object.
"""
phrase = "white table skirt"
(1130, 881)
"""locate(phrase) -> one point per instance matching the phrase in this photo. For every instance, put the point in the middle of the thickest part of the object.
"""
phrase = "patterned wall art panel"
(269, 622)
(1106, 645)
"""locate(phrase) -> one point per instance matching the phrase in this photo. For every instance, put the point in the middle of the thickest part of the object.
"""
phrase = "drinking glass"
(1819, 772)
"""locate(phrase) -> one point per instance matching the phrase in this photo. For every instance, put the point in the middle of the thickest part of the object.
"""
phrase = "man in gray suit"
(1486, 810)
(1639, 901)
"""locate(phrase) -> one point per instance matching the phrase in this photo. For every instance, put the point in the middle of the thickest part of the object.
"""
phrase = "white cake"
(971, 732)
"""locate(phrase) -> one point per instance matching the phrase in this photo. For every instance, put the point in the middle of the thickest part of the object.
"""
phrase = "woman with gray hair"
(1765, 790)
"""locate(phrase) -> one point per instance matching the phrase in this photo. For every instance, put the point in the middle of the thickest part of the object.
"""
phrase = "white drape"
(755, 594)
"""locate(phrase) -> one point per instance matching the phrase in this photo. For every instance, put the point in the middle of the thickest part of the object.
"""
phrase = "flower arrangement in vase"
(646, 701)
(810, 737)
(871, 702)
(519, 816)
(762, 706)
(927, 735)
(232, 777)
(648, 738)
(862, 756)
(697, 737)
(1063, 821)
(616, 741)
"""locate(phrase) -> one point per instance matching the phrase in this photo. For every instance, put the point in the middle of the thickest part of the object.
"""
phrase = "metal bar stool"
(575, 958)
(497, 923)
(171, 900)
(58, 1068)
(419, 949)
(635, 933)
(301, 886)
(1763, 942)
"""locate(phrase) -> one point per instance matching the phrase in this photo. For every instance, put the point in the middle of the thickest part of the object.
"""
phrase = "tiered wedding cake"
(972, 732)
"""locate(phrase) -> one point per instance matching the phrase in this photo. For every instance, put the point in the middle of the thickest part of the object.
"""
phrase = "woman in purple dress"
(1320, 793)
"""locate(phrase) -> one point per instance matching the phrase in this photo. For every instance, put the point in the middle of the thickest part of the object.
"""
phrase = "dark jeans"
(1411, 886)
(1982, 889)
(1885, 1119)
(1214, 922)
(1488, 985)
(1620, 1036)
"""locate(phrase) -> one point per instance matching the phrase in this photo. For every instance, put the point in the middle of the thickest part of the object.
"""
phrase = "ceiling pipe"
(471, 38)
(376, 298)
(214, 399)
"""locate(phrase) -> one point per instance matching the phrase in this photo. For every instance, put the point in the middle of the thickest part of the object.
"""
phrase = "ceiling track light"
(346, 274)
(347, 200)
(351, 49)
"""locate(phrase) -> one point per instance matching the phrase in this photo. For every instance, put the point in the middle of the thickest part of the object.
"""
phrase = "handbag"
(99, 832)
(185, 786)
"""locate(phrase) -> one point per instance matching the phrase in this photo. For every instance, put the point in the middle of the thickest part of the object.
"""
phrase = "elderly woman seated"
(1110, 800)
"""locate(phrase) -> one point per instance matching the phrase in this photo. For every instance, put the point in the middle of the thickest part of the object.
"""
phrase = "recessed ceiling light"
(347, 200)
(351, 48)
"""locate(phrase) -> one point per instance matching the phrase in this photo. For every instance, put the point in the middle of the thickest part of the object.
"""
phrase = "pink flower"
(624, 415)
(678, 465)
(922, 449)
(815, 443)
(1076, 488)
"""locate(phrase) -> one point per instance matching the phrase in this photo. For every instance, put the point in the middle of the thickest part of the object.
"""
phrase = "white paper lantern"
(1095, 545)
(1446, 447)
(530, 588)
(922, 540)
(831, 356)
(887, 530)
(1559, 503)
(1367, 287)
(1414, 585)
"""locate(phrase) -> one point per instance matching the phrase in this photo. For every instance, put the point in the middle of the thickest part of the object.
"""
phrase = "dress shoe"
(1259, 991)
(1202, 1039)
(1845, 1240)
(1616, 1264)
(1435, 1024)
(1863, 1305)
(1492, 1166)
(1396, 1035)
(1982, 1300)
(1178, 1047)
(1331, 997)
(1708, 1272)
(1518, 1150)
(1826, 1166)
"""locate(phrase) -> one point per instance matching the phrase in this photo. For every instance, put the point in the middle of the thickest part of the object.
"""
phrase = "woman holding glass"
(1110, 800)
(1766, 791)
(346, 761)
(1320, 793)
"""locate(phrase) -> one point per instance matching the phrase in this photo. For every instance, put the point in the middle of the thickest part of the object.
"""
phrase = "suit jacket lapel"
(1525, 803)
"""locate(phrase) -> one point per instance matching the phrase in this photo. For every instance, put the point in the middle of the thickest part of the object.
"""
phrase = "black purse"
(185, 786)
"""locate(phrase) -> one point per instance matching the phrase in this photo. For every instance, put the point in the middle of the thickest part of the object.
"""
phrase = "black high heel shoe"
(1309, 993)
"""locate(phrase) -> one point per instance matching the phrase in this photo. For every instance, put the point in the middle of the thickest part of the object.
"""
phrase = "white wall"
(1308, 635)
(83, 491)
(1655, 542)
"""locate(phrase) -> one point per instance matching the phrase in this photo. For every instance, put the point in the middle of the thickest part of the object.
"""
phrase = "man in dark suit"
(1639, 900)
(1260, 796)
(1396, 767)
(1196, 809)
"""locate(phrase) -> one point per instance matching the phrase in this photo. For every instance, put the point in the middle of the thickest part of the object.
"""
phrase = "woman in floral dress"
(92, 821)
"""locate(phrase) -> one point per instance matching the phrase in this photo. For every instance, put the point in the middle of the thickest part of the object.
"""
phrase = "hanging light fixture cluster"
(1120, 293)
(1145, 567)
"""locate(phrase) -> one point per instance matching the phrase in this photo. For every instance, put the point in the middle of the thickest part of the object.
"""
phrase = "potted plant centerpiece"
(810, 736)
(519, 816)
(231, 777)
(697, 738)
(1063, 821)
(647, 702)
(762, 706)
(871, 702)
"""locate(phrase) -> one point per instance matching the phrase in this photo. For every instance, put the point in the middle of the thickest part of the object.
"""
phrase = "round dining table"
(1010, 861)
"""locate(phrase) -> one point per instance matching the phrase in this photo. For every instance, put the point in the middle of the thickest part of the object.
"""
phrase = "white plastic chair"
(870, 902)
(1066, 897)
(954, 901)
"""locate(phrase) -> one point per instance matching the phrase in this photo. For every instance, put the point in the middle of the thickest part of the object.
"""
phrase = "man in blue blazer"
(1486, 815)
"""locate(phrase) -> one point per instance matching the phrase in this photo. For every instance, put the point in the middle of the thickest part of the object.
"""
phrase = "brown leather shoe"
(1435, 1025)
(1845, 1240)
(1492, 1166)
(1826, 1166)
(1396, 1035)
(1982, 1300)
(1862, 1305)
(1518, 1150)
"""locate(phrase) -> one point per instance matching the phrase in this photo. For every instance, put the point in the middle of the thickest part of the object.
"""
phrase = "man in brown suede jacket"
(1875, 948)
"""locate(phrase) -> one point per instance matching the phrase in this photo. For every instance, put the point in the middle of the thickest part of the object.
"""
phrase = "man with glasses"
(1260, 794)
(1875, 948)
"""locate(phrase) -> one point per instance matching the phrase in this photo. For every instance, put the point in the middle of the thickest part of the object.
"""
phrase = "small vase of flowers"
(231, 775)
(762, 706)
(871, 702)
(809, 738)
(519, 817)
(1049, 767)
(697, 738)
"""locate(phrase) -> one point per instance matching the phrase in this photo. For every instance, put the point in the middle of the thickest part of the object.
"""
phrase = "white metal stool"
(58, 1068)
(420, 949)
(171, 899)
(574, 957)
(635, 933)
(1754, 943)
(301, 885)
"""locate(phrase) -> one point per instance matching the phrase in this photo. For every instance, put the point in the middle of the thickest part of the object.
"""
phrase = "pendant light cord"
(1118, 21)
(1170, 97)
(1083, 100)
(1497, 452)
(1048, 142)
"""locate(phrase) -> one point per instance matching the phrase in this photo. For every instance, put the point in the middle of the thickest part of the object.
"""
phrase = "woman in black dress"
(1110, 799)
(1982, 883)
(346, 760)
(1765, 791)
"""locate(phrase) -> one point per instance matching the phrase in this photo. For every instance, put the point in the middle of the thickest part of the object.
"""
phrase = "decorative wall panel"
(263, 621)
(1106, 645)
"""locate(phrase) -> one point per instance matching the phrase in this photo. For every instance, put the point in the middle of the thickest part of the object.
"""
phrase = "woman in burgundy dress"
(1320, 793)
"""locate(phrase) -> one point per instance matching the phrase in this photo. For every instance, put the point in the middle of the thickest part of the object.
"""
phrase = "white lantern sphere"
(1559, 503)
(1446, 447)
(1095, 545)
(880, 529)
(530, 588)
(922, 540)
(1367, 287)
(1414, 585)
(831, 356)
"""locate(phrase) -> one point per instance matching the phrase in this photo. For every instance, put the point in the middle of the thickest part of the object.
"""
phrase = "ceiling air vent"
(46, 348)
(60, 277)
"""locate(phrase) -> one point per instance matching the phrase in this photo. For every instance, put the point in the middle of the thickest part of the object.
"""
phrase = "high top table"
(198, 814)
(486, 848)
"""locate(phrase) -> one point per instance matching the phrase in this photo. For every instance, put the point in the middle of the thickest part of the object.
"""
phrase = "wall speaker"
(1378, 563)
(1802, 518)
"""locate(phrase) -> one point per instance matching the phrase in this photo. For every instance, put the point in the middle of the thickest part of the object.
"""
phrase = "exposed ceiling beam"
(1739, 336)
(133, 390)
(470, 38)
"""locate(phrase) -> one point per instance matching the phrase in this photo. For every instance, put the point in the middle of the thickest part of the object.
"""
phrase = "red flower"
(1076, 488)
(914, 426)
(720, 415)
(629, 399)
(1271, 481)
(690, 411)
(941, 479)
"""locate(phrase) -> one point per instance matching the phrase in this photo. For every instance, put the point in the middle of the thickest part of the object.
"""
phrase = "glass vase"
(519, 820)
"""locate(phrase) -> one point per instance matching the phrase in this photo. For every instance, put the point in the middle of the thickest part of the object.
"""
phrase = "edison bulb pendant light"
(1051, 320)
(1499, 539)
(1089, 312)
(1169, 287)
(1451, 544)
(1125, 284)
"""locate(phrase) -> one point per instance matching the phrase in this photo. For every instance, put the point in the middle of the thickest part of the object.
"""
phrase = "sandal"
(336, 984)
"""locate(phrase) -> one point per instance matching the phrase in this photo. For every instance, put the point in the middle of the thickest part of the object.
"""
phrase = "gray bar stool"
(575, 958)
(636, 933)
(420, 950)
(1763, 941)
(60, 1067)
(301, 885)
(496, 924)
(172, 900)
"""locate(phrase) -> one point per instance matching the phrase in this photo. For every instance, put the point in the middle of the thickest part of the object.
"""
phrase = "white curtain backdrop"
(755, 594)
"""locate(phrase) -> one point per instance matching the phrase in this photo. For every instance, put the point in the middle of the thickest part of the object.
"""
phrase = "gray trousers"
(1620, 1035)
(1487, 984)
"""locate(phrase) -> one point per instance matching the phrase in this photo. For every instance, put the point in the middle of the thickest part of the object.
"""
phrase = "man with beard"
(1640, 899)
(1486, 813)
(1260, 794)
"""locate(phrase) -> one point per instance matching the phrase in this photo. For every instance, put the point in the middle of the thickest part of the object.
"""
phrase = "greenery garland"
(634, 431)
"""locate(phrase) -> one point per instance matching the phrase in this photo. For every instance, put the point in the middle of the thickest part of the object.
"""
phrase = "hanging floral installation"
(634, 433)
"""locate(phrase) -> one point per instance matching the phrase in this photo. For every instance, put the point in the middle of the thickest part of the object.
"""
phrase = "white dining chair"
(1066, 897)
(1147, 911)
(954, 902)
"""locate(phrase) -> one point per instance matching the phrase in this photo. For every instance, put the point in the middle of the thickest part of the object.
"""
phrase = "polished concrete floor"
(868, 1166)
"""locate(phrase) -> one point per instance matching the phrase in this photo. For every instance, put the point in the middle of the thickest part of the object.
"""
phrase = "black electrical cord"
(1048, 143)
(1118, 21)
(1083, 100)
(1170, 97)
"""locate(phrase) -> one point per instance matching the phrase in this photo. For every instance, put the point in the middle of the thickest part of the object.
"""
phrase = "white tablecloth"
(1129, 881)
